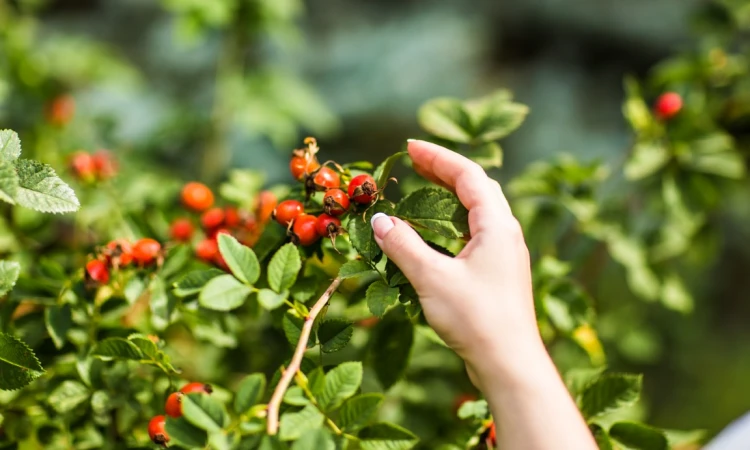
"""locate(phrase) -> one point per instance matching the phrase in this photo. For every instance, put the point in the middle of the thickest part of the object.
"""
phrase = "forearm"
(532, 408)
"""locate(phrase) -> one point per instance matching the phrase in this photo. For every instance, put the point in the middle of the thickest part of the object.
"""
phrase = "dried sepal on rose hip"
(119, 253)
(321, 180)
(335, 202)
(157, 431)
(363, 189)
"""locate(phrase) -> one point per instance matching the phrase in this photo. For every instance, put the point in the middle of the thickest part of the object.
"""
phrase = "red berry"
(146, 250)
(363, 189)
(304, 230)
(83, 166)
(173, 407)
(668, 105)
(197, 388)
(231, 217)
(266, 204)
(207, 250)
(120, 252)
(105, 164)
(157, 430)
(181, 230)
(98, 271)
(213, 218)
(301, 166)
(326, 178)
(461, 399)
(368, 322)
(327, 225)
(492, 435)
(287, 211)
(197, 196)
(335, 202)
(214, 234)
(61, 110)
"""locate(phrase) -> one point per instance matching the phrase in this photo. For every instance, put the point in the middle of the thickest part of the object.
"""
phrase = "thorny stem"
(272, 426)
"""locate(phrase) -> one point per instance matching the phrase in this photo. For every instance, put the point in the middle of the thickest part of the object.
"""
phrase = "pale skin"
(481, 304)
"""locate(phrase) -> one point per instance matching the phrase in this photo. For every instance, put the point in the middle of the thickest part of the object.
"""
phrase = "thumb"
(405, 247)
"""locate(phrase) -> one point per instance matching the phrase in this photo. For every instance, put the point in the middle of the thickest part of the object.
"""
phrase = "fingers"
(402, 245)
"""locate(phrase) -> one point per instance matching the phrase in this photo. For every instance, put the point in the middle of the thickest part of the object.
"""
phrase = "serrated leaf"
(386, 436)
(495, 116)
(383, 171)
(316, 439)
(191, 283)
(358, 411)
(241, 259)
(437, 210)
(446, 118)
(10, 145)
(361, 234)
(601, 437)
(474, 410)
(8, 182)
(18, 364)
(182, 432)
(637, 436)
(224, 293)
(250, 392)
(284, 267)
(204, 412)
(147, 347)
(334, 334)
(117, 348)
(269, 299)
(58, 320)
(68, 396)
(293, 424)
(292, 326)
(608, 392)
(9, 271)
(380, 297)
(391, 347)
(42, 190)
(356, 268)
(342, 382)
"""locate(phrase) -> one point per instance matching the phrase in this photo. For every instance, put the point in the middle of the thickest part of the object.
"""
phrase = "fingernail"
(381, 225)
(411, 140)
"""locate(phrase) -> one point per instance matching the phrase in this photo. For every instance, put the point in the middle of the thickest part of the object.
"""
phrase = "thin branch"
(286, 378)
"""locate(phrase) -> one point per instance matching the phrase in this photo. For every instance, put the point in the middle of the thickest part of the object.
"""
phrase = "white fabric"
(734, 437)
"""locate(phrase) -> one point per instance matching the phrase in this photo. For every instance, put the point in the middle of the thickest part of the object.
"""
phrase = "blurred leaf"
(18, 364)
(446, 118)
(437, 210)
(224, 293)
(315, 439)
(494, 116)
(296, 396)
(358, 411)
(204, 412)
(193, 282)
(9, 182)
(380, 297)
(383, 171)
(474, 410)
(58, 321)
(488, 155)
(117, 348)
(240, 259)
(42, 190)
(271, 443)
(334, 334)
(577, 379)
(10, 145)
(250, 392)
(342, 382)
(9, 271)
(284, 267)
(647, 159)
(635, 109)
(159, 302)
(391, 347)
(637, 436)
(68, 396)
(675, 295)
(679, 438)
(293, 424)
(601, 437)
(356, 268)
(715, 154)
(243, 187)
(609, 392)
(386, 436)
(269, 299)
(182, 432)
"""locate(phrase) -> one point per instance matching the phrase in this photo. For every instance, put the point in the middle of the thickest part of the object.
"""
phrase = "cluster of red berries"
(90, 167)
(306, 229)
(173, 407)
(215, 220)
(119, 254)
(668, 105)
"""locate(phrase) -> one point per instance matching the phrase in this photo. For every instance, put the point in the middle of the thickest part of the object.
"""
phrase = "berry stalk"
(272, 426)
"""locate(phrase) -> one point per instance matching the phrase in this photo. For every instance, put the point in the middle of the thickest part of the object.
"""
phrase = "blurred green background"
(192, 87)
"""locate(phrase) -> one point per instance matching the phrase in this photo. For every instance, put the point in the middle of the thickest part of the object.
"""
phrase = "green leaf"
(608, 392)
(358, 411)
(8, 182)
(68, 396)
(601, 437)
(360, 231)
(182, 432)
(647, 158)
(489, 155)
(10, 145)
(58, 320)
(292, 325)
(42, 190)
(391, 347)
(161, 309)
(250, 392)
(341, 383)
(191, 283)
(386, 436)
(474, 410)
(204, 412)
(241, 259)
(353, 269)
(9, 271)
(296, 396)
(293, 424)
(446, 118)
(437, 210)
(224, 293)
(270, 299)
(380, 297)
(18, 364)
(494, 116)
(284, 267)
(637, 436)
(315, 439)
(383, 171)
(271, 443)
(117, 348)
(334, 334)
(715, 154)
